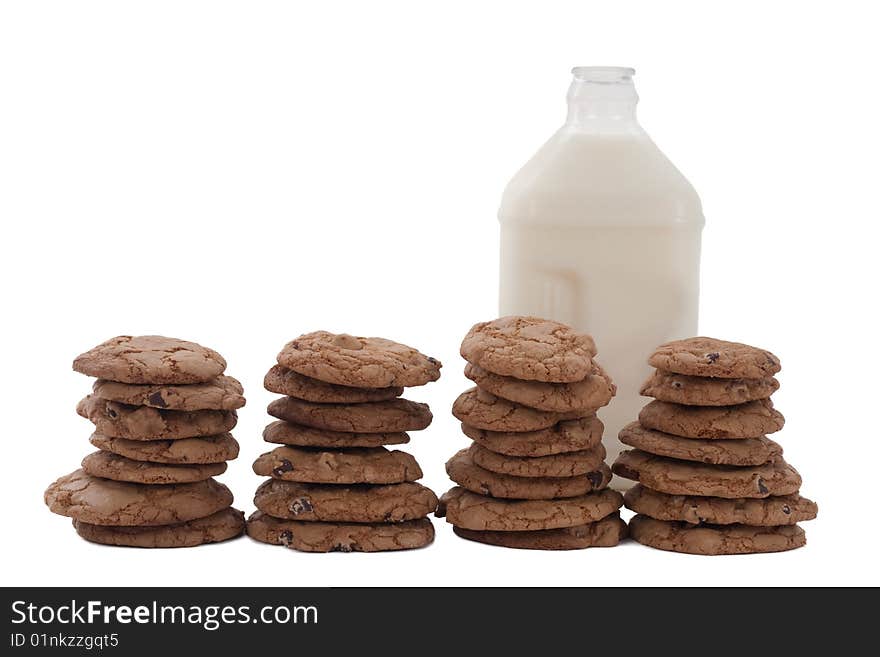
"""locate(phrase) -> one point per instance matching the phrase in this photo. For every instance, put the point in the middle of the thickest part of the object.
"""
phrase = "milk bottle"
(600, 230)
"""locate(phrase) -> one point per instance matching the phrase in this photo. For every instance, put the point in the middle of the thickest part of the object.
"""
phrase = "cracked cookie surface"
(565, 436)
(750, 420)
(394, 415)
(483, 410)
(223, 393)
(291, 433)
(221, 526)
(150, 359)
(358, 362)
(702, 356)
(209, 449)
(571, 464)
(358, 465)
(530, 348)
(120, 468)
(714, 539)
(607, 532)
(706, 391)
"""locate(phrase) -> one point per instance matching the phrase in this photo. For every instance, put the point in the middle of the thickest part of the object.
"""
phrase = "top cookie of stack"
(710, 481)
(535, 475)
(334, 485)
(162, 409)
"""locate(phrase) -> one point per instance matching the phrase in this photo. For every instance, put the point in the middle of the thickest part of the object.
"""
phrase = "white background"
(240, 173)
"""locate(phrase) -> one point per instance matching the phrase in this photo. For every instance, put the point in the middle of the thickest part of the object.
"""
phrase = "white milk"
(600, 230)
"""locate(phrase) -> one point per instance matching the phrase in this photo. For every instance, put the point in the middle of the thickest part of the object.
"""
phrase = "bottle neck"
(602, 99)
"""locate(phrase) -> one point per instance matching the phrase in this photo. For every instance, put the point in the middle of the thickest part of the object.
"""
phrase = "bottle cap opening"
(603, 74)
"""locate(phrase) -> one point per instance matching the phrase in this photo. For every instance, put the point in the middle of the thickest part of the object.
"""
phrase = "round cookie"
(210, 449)
(358, 465)
(293, 384)
(717, 358)
(750, 420)
(220, 526)
(607, 532)
(592, 392)
(104, 502)
(223, 393)
(530, 348)
(463, 471)
(481, 513)
(358, 362)
(714, 539)
(746, 451)
(290, 433)
(333, 503)
(566, 436)
(120, 468)
(766, 512)
(150, 359)
(571, 464)
(705, 391)
(340, 537)
(483, 410)
(689, 478)
(393, 415)
(144, 423)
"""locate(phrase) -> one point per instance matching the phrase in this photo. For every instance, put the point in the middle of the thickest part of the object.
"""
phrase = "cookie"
(371, 417)
(607, 532)
(290, 433)
(746, 451)
(689, 478)
(571, 464)
(592, 392)
(358, 362)
(359, 503)
(468, 510)
(340, 537)
(150, 359)
(220, 526)
(293, 384)
(750, 420)
(104, 502)
(463, 471)
(483, 410)
(210, 449)
(717, 358)
(120, 468)
(714, 539)
(144, 423)
(530, 348)
(221, 394)
(566, 436)
(705, 391)
(766, 512)
(359, 465)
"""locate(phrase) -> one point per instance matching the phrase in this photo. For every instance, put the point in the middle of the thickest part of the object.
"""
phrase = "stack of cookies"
(162, 409)
(535, 476)
(334, 485)
(710, 481)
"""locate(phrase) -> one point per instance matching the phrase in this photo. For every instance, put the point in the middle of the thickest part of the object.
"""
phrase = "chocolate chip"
(676, 384)
(286, 466)
(786, 509)
(301, 505)
(713, 356)
(761, 487)
(595, 478)
(156, 399)
(286, 537)
(340, 547)
(111, 413)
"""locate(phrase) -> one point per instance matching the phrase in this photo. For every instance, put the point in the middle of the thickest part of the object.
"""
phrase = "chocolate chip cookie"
(705, 391)
(703, 356)
(358, 362)
(290, 433)
(223, 393)
(104, 502)
(120, 468)
(566, 436)
(586, 395)
(340, 537)
(150, 359)
(483, 410)
(714, 539)
(210, 449)
(746, 451)
(220, 526)
(766, 512)
(371, 417)
(293, 384)
(530, 348)
(570, 464)
(607, 532)
(689, 478)
(463, 471)
(333, 503)
(358, 465)
(144, 423)
(750, 420)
